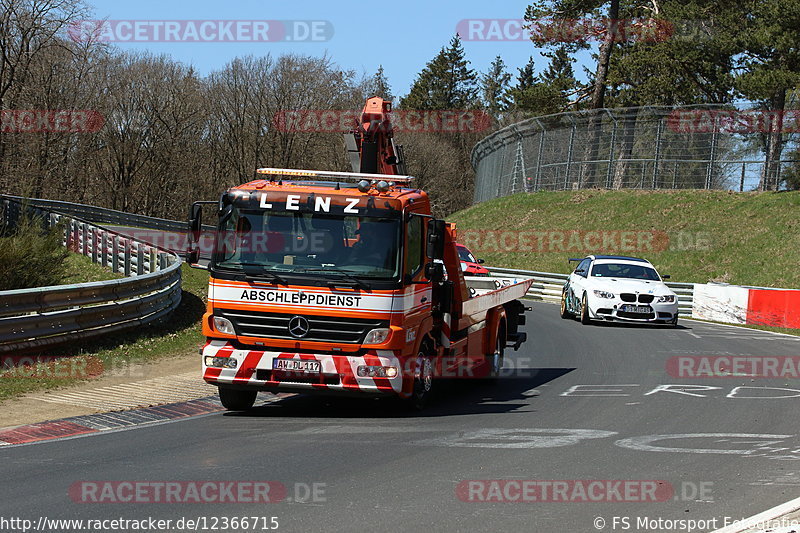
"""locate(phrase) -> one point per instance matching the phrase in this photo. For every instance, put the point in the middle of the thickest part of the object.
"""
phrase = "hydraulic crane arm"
(371, 147)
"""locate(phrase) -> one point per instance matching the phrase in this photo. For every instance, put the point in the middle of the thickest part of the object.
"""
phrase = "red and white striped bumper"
(339, 372)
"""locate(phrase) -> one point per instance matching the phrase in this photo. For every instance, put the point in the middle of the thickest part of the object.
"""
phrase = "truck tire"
(564, 311)
(423, 379)
(585, 311)
(236, 399)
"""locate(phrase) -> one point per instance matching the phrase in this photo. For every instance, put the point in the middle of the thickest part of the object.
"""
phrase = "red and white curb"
(96, 423)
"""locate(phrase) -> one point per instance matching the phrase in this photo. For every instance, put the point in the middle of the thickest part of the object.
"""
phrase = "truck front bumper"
(339, 373)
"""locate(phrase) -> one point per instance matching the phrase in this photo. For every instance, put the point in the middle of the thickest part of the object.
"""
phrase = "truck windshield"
(280, 241)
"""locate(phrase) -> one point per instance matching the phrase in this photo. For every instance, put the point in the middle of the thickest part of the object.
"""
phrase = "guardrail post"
(127, 260)
(104, 248)
(94, 244)
(140, 259)
(82, 238)
(115, 254)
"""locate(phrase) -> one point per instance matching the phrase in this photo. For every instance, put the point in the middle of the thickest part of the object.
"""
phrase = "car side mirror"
(580, 271)
(481, 261)
(434, 272)
(666, 276)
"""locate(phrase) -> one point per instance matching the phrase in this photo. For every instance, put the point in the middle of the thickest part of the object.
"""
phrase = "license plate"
(642, 309)
(297, 365)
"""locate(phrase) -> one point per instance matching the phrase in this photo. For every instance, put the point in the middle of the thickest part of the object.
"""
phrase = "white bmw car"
(610, 287)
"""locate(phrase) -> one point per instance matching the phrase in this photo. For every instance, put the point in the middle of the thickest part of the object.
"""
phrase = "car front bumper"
(612, 309)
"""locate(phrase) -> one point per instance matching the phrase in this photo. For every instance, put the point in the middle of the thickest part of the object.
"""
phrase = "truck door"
(417, 296)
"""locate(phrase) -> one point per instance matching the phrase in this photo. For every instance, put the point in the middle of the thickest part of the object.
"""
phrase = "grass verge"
(693, 235)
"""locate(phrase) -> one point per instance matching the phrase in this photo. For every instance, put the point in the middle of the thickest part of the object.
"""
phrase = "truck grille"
(643, 298)
(320, 328)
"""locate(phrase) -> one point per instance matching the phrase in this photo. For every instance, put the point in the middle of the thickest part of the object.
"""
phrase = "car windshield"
(255, 241)
(624, 270)
(466, 255)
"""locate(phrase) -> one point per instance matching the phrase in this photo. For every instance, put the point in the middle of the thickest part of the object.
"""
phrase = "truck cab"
(339, 287)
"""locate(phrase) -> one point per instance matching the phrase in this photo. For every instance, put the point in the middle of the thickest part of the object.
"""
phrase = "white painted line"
(766, 516)
(745, 328)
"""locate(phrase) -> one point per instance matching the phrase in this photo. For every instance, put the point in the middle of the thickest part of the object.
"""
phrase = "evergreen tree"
(446, 82)
(378, 85)
(550, 91)
(494, 86)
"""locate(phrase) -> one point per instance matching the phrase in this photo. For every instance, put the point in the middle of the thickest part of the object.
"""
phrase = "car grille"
(628, 314)
(321, 328)
(643, 298)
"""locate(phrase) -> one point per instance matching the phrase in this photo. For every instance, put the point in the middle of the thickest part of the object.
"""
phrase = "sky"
(401, 36)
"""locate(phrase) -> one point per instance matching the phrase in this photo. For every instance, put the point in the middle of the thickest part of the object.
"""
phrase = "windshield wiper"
(353, 281)
(262, 272)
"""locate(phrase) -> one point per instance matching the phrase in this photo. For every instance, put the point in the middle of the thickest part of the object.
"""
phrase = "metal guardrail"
(101, 215)
(45, 316)
(547, 287)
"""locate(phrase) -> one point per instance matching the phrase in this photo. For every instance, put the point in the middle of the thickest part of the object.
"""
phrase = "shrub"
(31, 256)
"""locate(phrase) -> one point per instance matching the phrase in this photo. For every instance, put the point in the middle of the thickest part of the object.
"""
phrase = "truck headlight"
(666, 299)
(377, 336)
(377, 371)
(603, 294)
(223, 325)
(221, 362)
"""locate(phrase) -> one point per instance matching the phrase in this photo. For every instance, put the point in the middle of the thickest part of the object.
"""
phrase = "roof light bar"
(341, 176)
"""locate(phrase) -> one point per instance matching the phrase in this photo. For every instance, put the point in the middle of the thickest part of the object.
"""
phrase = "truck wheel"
(584, 311)
(423, 380)
(564, 311)
(237, 400)
(495, 359)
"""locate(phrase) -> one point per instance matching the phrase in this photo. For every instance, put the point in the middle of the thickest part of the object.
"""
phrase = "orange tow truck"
(344, 282)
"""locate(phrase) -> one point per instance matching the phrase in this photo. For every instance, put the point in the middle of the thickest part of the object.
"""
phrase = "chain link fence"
(694, 147)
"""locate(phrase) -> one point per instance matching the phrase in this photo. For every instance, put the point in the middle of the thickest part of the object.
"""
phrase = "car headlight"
(223, 325)
(603, 294)
(666, 299)
(377, 336)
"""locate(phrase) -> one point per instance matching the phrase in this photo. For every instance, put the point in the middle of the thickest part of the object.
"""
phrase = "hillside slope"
(693, 235)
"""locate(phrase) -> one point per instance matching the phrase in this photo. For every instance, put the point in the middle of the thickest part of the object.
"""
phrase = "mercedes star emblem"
(298, 326)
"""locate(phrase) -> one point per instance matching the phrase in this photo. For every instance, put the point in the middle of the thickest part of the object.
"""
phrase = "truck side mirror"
(434, 272)
(436, 230)
(195, 233)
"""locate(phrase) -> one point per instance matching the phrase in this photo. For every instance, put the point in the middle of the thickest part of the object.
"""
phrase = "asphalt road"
(584, 403)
